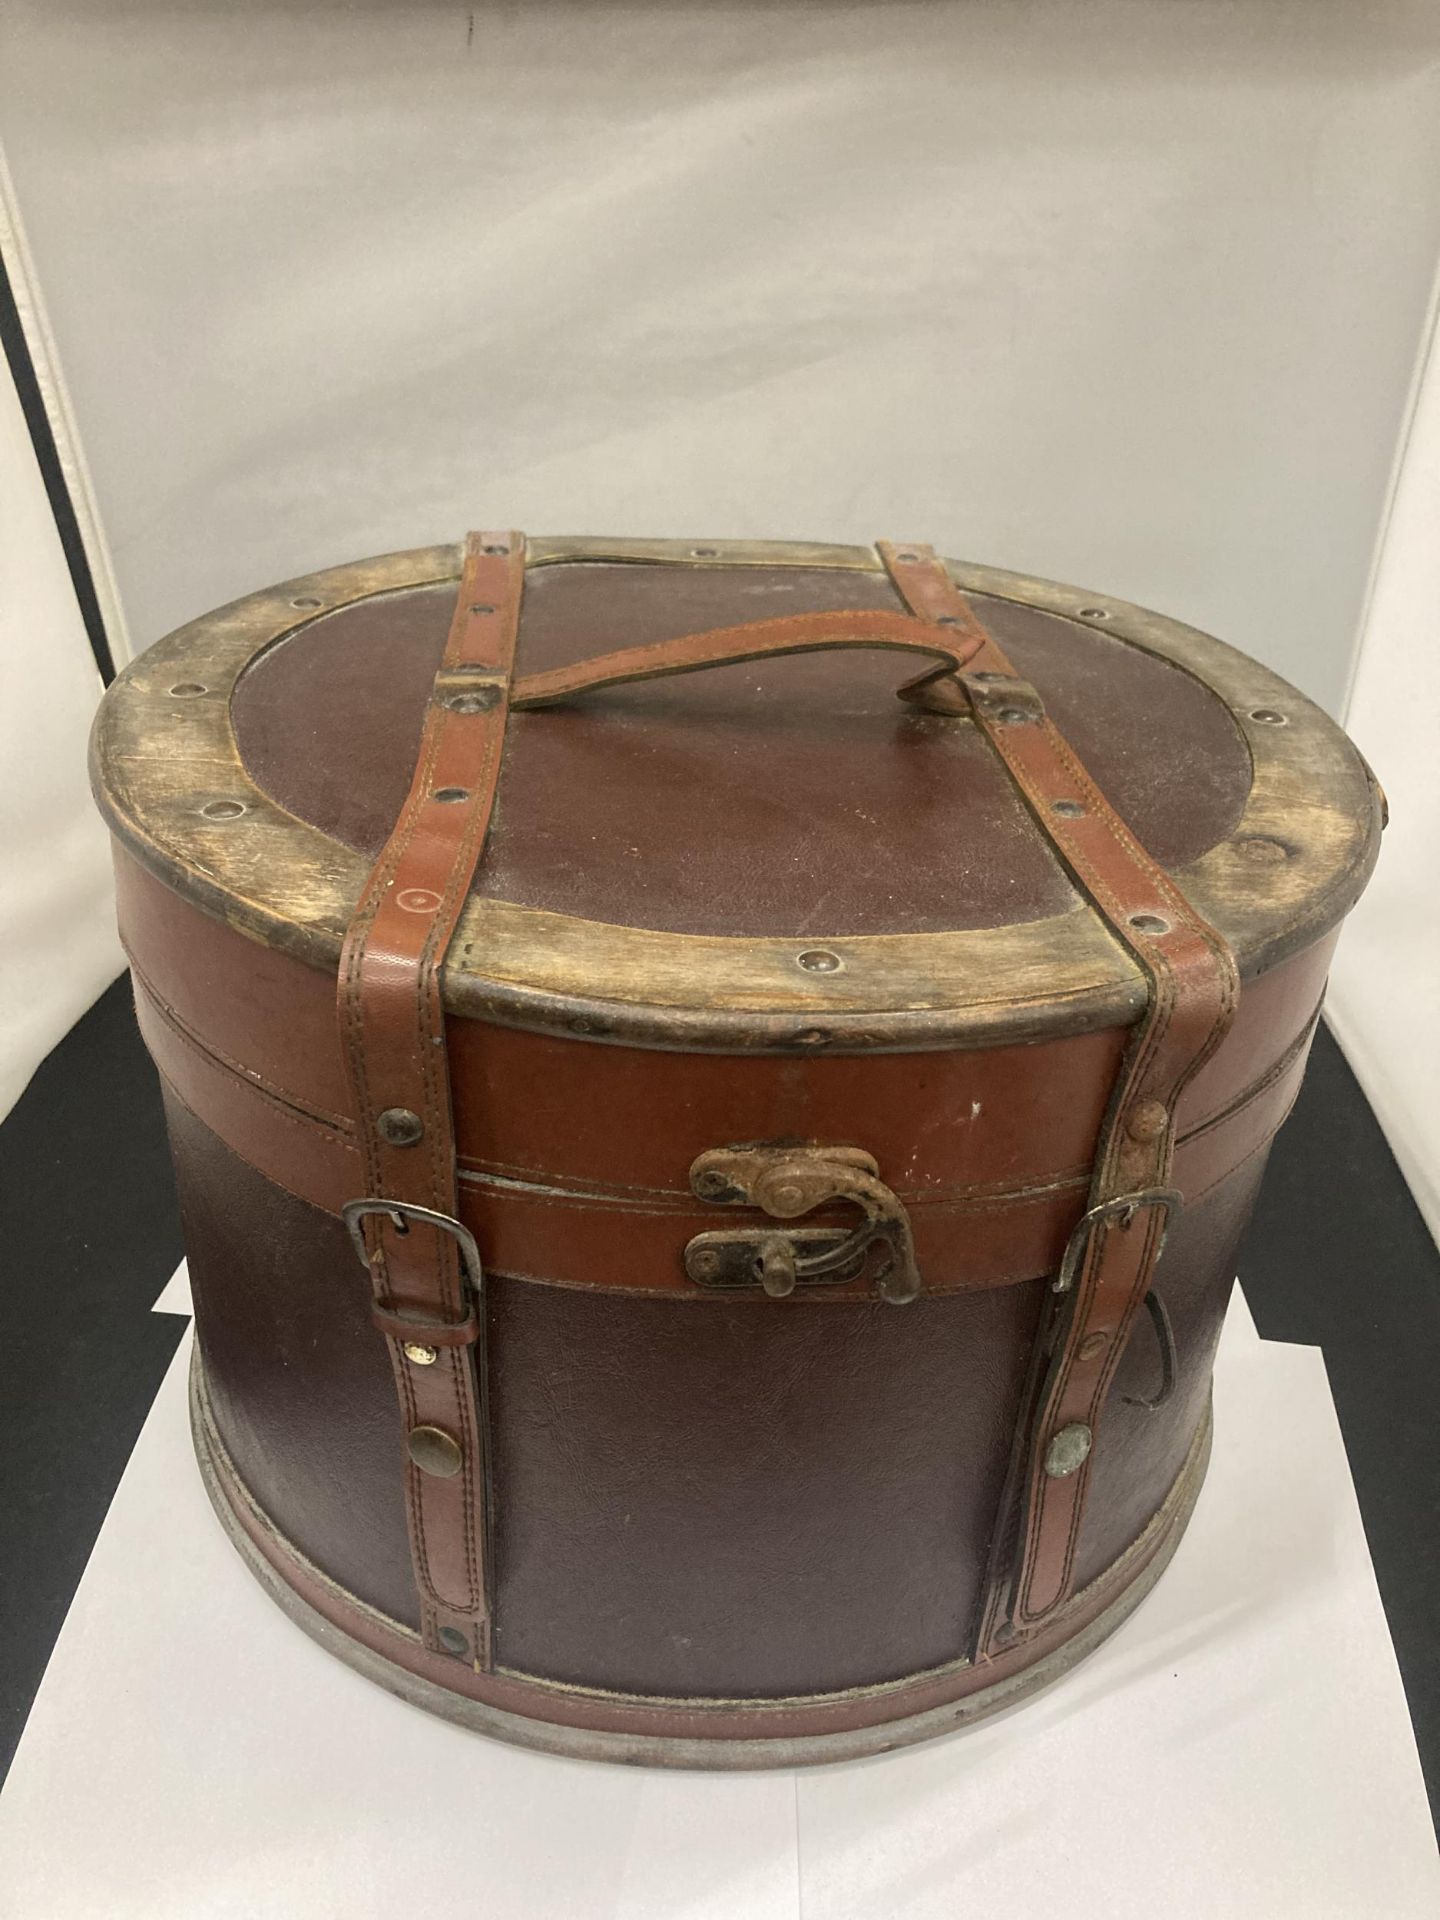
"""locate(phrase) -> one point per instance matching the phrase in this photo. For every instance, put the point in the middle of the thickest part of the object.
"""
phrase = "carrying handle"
(950, 640)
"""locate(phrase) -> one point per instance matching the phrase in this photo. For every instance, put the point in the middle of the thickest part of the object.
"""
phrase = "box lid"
(769, 854)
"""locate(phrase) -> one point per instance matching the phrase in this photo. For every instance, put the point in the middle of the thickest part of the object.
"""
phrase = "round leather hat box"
(711, 1189)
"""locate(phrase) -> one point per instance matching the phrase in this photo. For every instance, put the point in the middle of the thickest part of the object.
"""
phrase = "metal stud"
(1068, 1451)
(434, 1451)
(453, 1641)
(819, 960)
(418, 1355)
(481, 700)
(399, 1127)
(1147, 1121)
(1149, 923)
(223, 809)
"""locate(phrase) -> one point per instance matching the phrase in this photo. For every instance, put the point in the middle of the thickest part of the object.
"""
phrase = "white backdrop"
(57, 937)
(1128, 293)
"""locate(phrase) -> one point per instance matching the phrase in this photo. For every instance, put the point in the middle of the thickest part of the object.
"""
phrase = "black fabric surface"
(1336, 1257)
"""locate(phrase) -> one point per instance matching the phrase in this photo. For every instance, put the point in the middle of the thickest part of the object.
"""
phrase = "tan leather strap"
(950, 640)
(424, 1266)
(1111, 1258)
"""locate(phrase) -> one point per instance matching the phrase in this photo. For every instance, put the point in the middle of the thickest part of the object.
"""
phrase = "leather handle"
(950, 640)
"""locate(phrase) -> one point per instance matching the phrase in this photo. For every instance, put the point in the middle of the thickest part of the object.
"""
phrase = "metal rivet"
(1094, 613)
(497, 548)
(223, 809)
(1268, 717)
(909, 559)
(707, 1260)
(434, 1451)
(482, 606)
(307, 603)
(1093, 1345)
(1147, 1120)
(992, 676)
(453, 1641)
(480, 701)
(819, 960)
(418, 1355)
(1149, 923)
(1068, 809)
(812, 1037)
(704, 553)
(1013, 716)
(187, 689)
(786, 1199)
(1068, 1450)
(949, 620)
(449, 794)
(417, 900)
(399, 1127)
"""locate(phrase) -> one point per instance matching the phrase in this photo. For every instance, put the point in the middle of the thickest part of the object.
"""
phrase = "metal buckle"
(400, 1213)
(1125, 1204)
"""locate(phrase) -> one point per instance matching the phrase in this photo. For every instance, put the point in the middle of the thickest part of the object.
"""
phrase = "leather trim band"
(1194, 985)
(622, 1241)
(392, 1027)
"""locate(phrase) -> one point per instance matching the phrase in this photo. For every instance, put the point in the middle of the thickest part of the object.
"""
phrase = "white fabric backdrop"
(1384, 1001)
(1127, 293)
(57, 935)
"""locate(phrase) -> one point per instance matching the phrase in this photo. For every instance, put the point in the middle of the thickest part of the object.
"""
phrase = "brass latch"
(786, 1182)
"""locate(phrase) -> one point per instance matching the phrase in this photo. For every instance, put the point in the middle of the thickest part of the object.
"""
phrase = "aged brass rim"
(192, 814)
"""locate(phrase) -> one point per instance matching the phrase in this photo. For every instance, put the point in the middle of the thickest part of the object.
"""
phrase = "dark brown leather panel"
(300, 1384)
(1142, 1449)
(697, 1499)
(596, 815)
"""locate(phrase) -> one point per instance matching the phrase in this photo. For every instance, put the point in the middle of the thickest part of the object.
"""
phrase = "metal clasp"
(400, 1213)
(786, 1182)
(1125, 1206)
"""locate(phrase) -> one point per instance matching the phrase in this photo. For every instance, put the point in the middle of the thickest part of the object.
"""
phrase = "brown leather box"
(711, 1195)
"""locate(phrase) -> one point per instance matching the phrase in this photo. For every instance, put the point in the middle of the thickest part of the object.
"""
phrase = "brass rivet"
(223, 809)
(1147, 1120)
(1068, 1450)
(434, 1451)
(453, 1641)
(399, 1127)
(1093, 1345)
(1094, 613)
(307, 603)
(420, 1356)
(1268, 717)
(819, 960)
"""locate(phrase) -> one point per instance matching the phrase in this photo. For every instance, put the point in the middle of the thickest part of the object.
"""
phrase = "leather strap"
(950, 639)
(1111, 1258)
(424, 1269)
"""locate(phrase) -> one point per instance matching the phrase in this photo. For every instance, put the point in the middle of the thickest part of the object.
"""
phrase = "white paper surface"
(1240, 1748)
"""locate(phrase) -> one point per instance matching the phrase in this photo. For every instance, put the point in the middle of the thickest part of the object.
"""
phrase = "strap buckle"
(400, 1213)
(1126, 1206)
(424, 1329)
